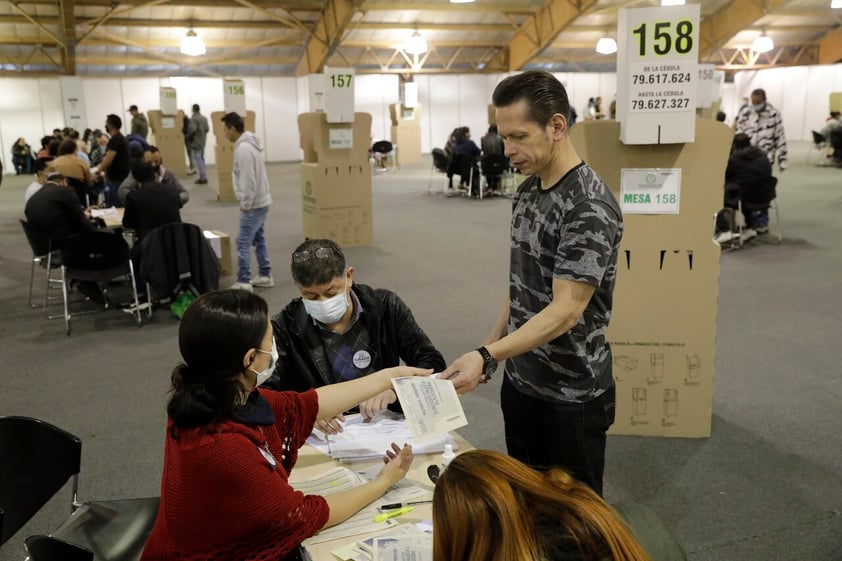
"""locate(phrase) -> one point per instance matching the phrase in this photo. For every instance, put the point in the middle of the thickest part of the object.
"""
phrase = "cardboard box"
(315, 134)
(406, 133)
(169, 139)
(663, 326)
(224, 158)
(225, 188)
(221, 245)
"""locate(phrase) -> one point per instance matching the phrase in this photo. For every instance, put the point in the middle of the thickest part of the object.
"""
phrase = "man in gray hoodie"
(251, 186)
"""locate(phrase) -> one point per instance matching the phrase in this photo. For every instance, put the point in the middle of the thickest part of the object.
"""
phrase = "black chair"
(42, 255)
(818, 144)
(38, 461)
(441, 163)
(385, 150)
(96, 257)
(836, 144)
(48, 548)
(494, 166)
(177, 257)
(466, 168)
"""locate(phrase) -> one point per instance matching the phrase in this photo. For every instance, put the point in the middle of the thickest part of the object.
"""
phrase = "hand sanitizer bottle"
(448, 455)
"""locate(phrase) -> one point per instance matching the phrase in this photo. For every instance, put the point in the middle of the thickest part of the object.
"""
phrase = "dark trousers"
(568, 435)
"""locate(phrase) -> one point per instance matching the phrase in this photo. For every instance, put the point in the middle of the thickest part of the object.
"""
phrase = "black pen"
(393, 506)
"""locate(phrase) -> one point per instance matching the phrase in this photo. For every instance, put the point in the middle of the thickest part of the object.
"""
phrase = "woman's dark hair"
(53, 147)
(216, 332)
(309, 269)
(66, 147)
(544, 95)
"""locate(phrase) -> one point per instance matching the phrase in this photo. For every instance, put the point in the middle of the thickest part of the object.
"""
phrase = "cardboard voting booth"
(406, 133)
(224, 152)
(663, 326)
(336, 179)
(170, 139)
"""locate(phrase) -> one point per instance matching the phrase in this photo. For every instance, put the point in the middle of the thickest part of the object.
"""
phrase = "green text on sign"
(664, 39)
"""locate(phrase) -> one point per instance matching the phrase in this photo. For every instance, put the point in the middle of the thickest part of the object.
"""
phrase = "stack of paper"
(333, 481)
(402, 542)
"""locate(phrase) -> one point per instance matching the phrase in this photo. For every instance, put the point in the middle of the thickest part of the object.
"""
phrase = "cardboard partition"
(334, 142)
(217, 127)
(220, 242)
(406, 133)
(224, 158)
(169, 139)
(225, 188)
(836, 101)
(492, 114)
(663, 326)
(336, 202)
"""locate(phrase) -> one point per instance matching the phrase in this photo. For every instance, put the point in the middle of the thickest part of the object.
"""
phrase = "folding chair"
(494, 165)
(386, 151)
(440, 165)
(818, 145)
(47, 548)
(43, 255)
(466, 168)
(96, 257)
(38, 461)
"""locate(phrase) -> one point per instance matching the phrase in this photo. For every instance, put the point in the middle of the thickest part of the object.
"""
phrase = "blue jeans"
(199, 162)
(110, 192)
(251, 234)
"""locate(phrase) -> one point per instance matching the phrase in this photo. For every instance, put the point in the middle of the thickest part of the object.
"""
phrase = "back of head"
(720, 116)
(45, 141)
(543, 93)
(195, 108)
(216, 332)
(741, 140)
(488, 506)
(53, 147)
(114, 121)
(316, 262)
(67, 146)
(142, 171)
(492, 129)
(233, 120)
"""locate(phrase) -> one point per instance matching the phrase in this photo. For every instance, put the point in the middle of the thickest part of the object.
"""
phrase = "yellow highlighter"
(392, 513)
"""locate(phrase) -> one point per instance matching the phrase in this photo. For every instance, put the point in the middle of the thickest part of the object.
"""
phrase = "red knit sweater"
(221, 499)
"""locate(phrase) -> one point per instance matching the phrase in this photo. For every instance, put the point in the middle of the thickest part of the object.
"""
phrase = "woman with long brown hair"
(490, 507)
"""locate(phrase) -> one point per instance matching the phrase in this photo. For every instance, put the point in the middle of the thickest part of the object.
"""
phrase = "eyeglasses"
(307, 254)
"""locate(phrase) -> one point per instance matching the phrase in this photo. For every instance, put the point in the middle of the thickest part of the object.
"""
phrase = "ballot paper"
(430, 405)
(363, 550)
(403, 548)
(361, 441)
(103, 212)
(333, 481)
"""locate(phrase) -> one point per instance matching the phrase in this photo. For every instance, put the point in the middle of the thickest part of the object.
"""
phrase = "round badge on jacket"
(362, 359)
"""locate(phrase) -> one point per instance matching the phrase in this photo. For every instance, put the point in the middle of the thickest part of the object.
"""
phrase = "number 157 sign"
(657, 75)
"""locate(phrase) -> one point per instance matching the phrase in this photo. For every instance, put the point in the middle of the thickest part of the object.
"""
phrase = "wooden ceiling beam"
(479, 7)
(720, 27)
(542, 28)
(326, 36)
(421, 26)
(68, 28)
(830, 47)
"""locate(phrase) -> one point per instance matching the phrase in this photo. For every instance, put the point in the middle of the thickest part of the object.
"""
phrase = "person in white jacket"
(251, 187)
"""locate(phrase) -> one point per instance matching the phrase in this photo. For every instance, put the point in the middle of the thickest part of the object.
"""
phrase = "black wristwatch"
(489, 363)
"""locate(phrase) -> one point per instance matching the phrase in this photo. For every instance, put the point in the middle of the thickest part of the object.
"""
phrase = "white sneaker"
(263, 281)
(748, 233)
(724, 237)
(242, 286)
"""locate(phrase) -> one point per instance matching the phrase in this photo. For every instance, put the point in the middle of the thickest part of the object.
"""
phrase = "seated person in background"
(492, 144)
(831, 123)
(163, 176)
(448, 146)
(40, 169)
(748, 180)
(340, 330)
(492, 507)
(465, 155)
(76, 171)
(151, 205)
(22, 157)
(99, 147)
(230, 446)
(55, 209)
(82, 153)
(45, 147)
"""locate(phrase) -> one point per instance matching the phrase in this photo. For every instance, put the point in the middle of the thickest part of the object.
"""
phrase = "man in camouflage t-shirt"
(558, 389)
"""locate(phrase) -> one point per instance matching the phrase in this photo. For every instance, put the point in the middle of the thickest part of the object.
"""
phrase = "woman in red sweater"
(230, 446)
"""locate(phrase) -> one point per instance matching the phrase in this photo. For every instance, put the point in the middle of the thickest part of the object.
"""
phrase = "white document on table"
(431, 406)
(360, 441)
(413, 548)
(333, 481)
(103, 212)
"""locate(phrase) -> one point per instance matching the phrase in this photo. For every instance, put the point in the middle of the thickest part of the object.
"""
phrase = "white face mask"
(330, 310)
(264, 375)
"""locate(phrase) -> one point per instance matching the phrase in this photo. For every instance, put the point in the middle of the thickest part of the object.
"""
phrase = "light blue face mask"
(758, 106)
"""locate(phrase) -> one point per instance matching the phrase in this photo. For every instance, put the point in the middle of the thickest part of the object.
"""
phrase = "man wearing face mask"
(162, 175)
(764, 126)
(340, 330)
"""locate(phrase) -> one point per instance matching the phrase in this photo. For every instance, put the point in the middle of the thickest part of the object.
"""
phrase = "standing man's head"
(133, 110)
(152, 156)
(195, 108)
(532, 109)
(758, 99)
(234, 126)
(113, 124)
(323, 278)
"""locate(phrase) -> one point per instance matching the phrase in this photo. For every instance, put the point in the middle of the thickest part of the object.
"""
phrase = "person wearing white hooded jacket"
(251, 187)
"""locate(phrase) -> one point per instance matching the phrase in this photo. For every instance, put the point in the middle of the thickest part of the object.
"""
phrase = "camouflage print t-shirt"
(570, 231)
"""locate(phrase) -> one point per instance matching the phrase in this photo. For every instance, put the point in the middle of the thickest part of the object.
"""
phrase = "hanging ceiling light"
(672, 2)
(192, 44)
(416, 45)
(606, 46)
(836, 3)
(461, 1)
(763, 44)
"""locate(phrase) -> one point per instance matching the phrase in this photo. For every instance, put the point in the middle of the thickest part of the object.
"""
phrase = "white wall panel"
(103, 96)
(52, 108)
(374, 93)
(21, 115)
(143, 92)
(280, 105)
(474, 98)
(441, 99)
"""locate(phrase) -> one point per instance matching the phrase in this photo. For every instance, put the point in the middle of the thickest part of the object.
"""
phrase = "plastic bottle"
(448, 455)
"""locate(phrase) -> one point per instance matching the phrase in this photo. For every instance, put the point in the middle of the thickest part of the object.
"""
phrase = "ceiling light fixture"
(192, 44)
(836, 3)
(763, 44)
(461, 1)
(415, 45)
(606, 46)
(672, 2)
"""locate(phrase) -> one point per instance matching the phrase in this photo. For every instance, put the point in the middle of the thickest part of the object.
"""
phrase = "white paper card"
(168, 100)
(650, 190)
(431, 406)
(341, 139)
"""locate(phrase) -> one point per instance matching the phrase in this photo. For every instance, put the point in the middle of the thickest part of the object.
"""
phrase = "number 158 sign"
(657, 75)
